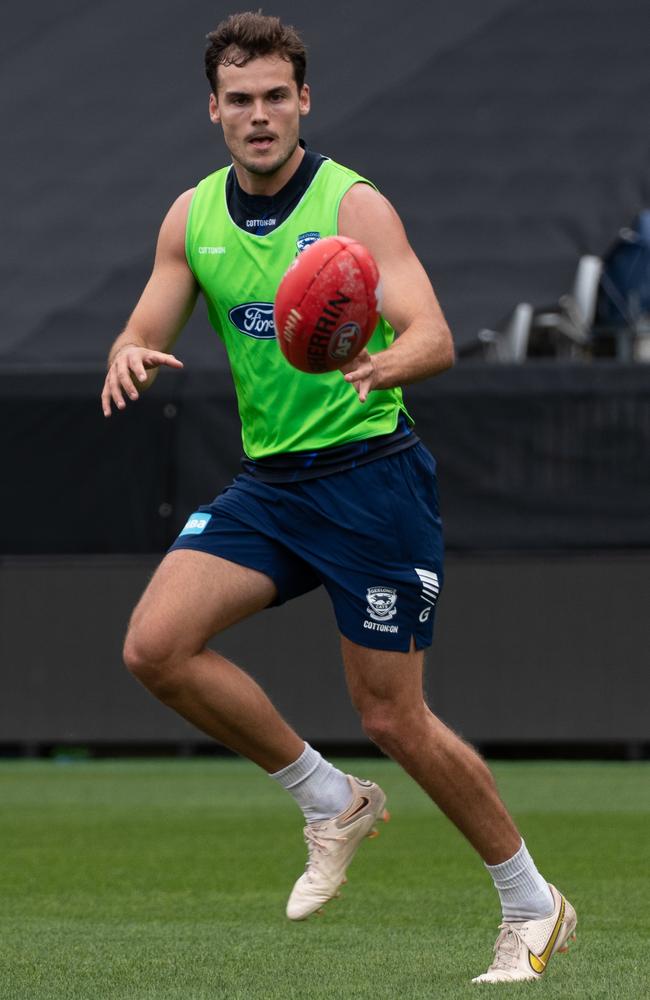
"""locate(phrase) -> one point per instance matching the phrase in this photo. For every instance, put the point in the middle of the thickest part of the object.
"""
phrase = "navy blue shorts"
(371, 535)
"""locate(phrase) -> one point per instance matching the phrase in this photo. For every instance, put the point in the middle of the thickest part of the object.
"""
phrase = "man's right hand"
(131, 370)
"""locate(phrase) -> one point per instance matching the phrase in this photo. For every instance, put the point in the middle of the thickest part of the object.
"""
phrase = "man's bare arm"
(424, 346)
(164, 307)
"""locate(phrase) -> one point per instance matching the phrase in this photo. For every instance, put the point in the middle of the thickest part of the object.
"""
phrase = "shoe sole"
(571, 940)
(568, 938)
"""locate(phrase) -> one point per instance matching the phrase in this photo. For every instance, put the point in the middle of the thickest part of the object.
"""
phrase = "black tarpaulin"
(511, 136)
(538, 457)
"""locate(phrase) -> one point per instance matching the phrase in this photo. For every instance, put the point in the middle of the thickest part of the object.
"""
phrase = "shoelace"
(506, 949)
(317, 844)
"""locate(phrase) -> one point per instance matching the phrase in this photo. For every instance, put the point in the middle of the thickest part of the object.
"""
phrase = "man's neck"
(268, 184)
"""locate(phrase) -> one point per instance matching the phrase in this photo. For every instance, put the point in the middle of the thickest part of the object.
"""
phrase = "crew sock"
(319, 788)
(524, 894)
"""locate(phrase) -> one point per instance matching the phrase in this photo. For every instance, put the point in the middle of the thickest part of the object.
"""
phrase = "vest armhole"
(188, 224)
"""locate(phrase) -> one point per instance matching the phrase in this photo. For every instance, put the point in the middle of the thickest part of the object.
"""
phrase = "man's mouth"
(262, 141)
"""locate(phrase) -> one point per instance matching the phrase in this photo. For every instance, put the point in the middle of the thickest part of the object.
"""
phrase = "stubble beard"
(266, 169)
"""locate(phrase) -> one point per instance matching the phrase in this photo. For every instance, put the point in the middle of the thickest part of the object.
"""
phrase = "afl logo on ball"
(344, 340)
(255, 319)
(306, 239)
(381, 603)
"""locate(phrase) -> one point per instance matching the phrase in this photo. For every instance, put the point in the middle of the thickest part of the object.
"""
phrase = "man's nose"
(260, 112)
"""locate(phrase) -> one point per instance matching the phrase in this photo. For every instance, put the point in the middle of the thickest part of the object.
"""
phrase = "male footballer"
(317, 447)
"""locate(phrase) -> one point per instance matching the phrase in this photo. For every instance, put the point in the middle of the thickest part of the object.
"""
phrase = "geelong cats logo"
(381, 603)
(306, 239)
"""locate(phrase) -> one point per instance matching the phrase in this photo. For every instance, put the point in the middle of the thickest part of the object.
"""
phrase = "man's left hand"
(362, 373)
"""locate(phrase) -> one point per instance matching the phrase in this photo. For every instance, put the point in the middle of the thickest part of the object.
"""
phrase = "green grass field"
(169, 879)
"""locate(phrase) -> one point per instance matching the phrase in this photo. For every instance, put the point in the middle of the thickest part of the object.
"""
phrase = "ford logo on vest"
(255, 319)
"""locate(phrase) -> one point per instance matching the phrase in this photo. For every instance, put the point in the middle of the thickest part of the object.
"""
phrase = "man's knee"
(391, 726)
(152, 658)
(378, 725)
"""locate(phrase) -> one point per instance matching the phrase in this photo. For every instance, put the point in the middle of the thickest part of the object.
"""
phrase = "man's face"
(258, 107)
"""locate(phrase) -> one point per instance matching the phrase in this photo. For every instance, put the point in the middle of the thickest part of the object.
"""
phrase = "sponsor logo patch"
(196, 523)
(255, 319)
(306, 239)
(380, 627)
(212, 250)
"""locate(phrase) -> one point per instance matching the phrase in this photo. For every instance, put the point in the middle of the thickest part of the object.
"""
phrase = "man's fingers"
(359, 368)
(125, 377)
(106, 400)
(357, 375)
(128, 369)
(360, 372)
(361, 386)
(353, 366)
(153, 358)
(114, 390)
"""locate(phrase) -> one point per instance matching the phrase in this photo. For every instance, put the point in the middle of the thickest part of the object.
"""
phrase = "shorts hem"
(389, 645)
(247, 564)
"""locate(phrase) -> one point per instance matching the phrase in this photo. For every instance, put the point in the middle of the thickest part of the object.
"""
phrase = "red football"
(327, 304)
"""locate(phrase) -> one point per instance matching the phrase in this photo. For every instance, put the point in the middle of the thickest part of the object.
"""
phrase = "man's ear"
(305, 99)
(213, 108)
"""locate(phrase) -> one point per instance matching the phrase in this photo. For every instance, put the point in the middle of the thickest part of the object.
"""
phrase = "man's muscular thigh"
(191, 597)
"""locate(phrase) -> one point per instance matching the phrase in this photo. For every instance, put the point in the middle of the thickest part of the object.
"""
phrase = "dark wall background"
(545, 650)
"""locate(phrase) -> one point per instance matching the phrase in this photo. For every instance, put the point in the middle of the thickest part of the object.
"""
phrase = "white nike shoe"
(523, 949)
(331, 844)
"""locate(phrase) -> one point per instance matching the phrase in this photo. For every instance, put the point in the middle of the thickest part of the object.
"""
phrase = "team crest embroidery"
(381, 603)
(306, 239)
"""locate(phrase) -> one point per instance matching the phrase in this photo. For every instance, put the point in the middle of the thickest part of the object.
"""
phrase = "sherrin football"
(327, 304)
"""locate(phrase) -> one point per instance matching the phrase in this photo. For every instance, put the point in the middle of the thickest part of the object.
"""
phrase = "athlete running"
(316, 449)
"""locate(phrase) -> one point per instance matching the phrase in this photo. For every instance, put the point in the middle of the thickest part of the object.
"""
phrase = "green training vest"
(281, 409)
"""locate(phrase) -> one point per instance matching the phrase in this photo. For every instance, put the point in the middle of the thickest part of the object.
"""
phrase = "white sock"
(319, 788)
(524, 894)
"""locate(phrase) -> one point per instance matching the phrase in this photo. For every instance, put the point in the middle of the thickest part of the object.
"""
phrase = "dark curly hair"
(245, 36)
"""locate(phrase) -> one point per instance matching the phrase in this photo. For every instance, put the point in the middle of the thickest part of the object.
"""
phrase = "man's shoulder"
(366, 215)
(176, 217)
(340, 169)
(347, 186)
(203, 199)
(214, 178)
(207, 187)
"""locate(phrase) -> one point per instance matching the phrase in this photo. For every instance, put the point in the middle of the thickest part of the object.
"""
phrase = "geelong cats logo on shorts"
(255, 319)
(381, 603)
